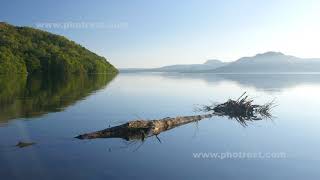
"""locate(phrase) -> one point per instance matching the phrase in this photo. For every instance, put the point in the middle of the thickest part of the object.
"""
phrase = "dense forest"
(28, 50)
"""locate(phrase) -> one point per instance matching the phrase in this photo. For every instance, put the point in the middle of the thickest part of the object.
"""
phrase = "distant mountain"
(208, 65)
(270, 62)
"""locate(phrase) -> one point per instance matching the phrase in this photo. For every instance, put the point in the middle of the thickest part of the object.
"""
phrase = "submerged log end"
(22, 144)
(80, 137)
(86, 136)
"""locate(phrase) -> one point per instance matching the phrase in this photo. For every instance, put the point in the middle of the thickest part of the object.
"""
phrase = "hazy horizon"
(154, 34)
(223, 61)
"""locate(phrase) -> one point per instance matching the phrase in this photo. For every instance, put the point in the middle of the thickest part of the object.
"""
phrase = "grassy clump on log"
(242, 109)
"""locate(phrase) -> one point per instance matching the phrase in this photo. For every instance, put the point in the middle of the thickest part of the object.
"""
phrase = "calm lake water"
(51, 112)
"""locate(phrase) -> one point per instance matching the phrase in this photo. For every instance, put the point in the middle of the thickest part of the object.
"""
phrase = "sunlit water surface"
(52, 115)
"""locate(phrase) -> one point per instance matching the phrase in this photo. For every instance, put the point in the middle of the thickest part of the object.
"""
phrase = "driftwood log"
(141, 129)
(242, 110)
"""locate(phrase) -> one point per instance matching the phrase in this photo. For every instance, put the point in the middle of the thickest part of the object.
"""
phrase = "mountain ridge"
(268, 62)
(207, 65)
(271, 62)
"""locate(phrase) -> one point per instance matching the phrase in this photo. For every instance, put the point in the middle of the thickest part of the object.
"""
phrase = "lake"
(51, 111)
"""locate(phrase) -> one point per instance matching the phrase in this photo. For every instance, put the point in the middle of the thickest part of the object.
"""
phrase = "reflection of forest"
(26, 97)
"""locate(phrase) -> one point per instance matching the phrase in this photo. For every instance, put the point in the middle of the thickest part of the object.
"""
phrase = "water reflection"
(31, 96)
(264, 82)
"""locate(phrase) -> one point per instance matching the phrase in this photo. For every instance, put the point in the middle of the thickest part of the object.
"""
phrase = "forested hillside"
(28, 50)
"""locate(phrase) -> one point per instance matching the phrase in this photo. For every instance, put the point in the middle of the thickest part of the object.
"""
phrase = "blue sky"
(166, 32)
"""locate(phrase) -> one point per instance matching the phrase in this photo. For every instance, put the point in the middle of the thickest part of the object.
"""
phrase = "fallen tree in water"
(141, 129)
(242, 110)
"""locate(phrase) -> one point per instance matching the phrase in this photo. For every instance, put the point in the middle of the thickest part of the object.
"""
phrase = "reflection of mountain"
(273, 82)
(25, 97)
(266, 82)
